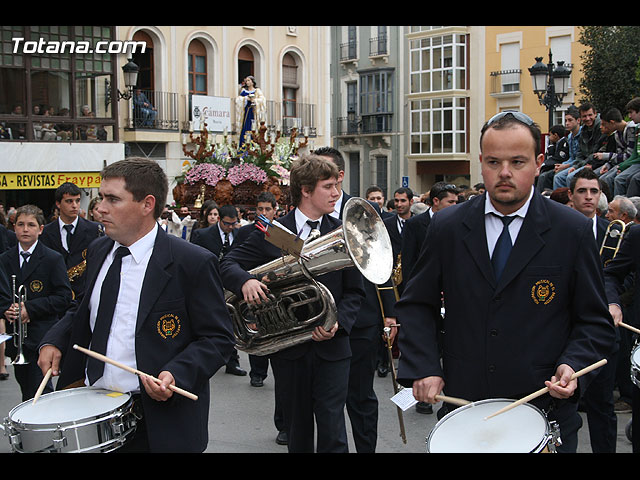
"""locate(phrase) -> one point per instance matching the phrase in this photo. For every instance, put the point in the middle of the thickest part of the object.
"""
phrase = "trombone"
(387, 339)
(614, 233)
(19, 328)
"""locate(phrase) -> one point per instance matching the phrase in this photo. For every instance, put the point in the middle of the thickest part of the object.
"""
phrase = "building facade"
(96, 119)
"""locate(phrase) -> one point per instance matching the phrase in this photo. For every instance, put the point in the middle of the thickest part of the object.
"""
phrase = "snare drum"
(86, 419)
(523, 429)
(635, 365)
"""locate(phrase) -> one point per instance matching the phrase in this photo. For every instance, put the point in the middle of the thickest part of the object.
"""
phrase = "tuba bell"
(298, 302)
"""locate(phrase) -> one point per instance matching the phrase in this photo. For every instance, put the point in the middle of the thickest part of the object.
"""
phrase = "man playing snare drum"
(523, 295)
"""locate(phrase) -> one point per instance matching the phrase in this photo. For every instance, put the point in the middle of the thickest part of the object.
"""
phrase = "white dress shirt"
(20, 250)
(494, 225)
(121, 345)
(302, 227)
(63, 232)
(337, 206)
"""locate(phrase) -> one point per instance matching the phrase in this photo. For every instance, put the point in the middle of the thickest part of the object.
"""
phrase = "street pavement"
(241, 418)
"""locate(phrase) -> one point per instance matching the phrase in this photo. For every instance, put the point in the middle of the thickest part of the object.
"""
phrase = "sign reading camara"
(214, 111)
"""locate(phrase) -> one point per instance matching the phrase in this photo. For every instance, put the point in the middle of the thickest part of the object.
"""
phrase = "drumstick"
(102, 358)
(452, 400)
(544, 390)
(629, 327)
(42, 385)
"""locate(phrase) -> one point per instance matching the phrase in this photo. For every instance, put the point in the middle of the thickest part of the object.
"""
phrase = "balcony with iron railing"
(378, 46)
(505, 82)
(152, 110)
(284, 115)
(348, 51)
(352, 125)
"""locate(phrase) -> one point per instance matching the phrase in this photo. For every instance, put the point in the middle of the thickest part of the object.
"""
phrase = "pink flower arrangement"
(210, 173)
(282, 172)
(246, 172)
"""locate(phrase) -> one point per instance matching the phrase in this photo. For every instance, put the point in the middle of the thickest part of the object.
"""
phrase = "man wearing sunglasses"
(218, 239)
(522, 285)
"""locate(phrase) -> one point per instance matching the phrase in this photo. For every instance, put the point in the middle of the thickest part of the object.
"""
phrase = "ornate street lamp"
(550, 84)
(130, 71)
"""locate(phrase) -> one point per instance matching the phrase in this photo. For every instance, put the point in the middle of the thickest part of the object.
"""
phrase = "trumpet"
(19, 328)
(614, 233)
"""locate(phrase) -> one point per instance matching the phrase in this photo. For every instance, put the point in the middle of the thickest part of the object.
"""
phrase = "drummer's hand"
(319, 334)
(254, 291)
(49, 357)
(426, 389)
(616, 313)
(567, 387)
(159, 391)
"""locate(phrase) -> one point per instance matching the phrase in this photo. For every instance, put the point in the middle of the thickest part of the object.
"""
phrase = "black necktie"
(108, 300)
(225, 246)
(69, 229)
(503, 247)
(313, 224)
(25, 259)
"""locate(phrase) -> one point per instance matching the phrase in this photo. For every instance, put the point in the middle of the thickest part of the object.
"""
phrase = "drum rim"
(62, 425)
(539, 447)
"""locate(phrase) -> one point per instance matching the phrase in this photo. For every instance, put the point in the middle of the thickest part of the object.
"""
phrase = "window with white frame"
(438, 125)
(438, 63)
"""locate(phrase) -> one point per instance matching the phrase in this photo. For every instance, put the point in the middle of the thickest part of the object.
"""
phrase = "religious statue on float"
(251, 106)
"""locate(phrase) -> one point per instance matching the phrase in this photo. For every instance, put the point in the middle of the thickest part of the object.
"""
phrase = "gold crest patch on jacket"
(169, 326)
(543, 291)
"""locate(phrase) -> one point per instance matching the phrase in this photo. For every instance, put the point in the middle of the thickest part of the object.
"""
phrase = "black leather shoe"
(235, 370)
(424, 407)
(282, 438)
(257, 382)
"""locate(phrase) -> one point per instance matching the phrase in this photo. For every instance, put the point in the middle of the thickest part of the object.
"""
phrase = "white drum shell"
(78, 420)
(523, 429)
(635, 366)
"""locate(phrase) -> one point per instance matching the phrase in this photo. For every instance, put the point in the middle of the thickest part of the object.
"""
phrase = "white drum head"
(68, 406)
(635, 357)
(465, 430)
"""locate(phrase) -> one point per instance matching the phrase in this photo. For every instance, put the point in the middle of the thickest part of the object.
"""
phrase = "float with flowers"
(232, 175)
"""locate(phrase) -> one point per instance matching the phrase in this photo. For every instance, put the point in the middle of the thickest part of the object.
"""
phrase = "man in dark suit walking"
(336, 157)
(42, 274)
(441, 195)
(314, 374)
(597, 400)
(70, 234)
(166, 317)
(219, 239)
(522, 285)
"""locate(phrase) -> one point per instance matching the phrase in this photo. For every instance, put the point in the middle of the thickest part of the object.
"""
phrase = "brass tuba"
(298, 303)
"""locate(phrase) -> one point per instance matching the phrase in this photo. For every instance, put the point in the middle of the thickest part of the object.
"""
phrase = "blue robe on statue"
(248, 115)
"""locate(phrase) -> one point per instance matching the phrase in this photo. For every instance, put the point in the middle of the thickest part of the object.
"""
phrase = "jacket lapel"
(156, 276)
(476, 239)
(529, 241)
(32, 264)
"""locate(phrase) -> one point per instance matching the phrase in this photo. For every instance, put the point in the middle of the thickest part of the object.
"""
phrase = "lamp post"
(130, 71)
(550, 83)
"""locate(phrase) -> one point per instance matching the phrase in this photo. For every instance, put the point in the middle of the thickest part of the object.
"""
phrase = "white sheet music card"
(404, 399)
(4, 337)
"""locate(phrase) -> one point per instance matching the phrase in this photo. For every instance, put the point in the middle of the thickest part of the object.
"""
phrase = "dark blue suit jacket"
(86, 232)
(345, 285)
(47, 288)
(209, 238)
(181, 280)
(413, 235)
(505, 338)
